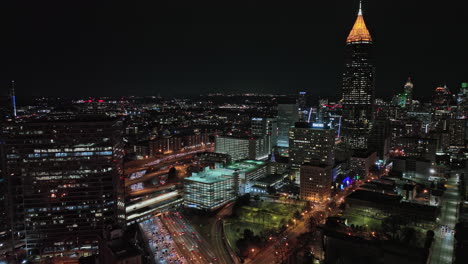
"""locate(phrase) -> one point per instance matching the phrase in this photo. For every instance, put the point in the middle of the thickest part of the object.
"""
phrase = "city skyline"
(177, 50)
(229, 134)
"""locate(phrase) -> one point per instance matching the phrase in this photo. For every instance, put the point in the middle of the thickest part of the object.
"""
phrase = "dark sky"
(172, 47)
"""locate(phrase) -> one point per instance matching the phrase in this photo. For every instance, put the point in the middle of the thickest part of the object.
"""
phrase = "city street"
(444, 243)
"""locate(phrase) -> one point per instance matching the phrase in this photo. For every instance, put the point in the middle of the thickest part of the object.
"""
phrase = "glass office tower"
(64, 183)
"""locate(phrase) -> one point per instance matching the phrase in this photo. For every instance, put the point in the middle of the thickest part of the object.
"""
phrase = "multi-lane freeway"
(190, 243)
(161, 243)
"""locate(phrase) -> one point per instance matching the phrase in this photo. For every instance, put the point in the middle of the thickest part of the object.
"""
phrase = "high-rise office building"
(311, 143)
(441, 96)
(302, 106)
(64, 183)
(379, 141)
(457, 132)
(358, 86)
(408, 88)
(265, 127)
(13, 99)
(287, 117)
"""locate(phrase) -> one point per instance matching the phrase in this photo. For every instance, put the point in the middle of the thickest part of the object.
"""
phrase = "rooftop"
(272, 178)
(210, 176)
(375, 197)
(246, 165)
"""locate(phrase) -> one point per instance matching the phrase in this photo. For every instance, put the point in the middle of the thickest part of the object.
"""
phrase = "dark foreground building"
(64, 183)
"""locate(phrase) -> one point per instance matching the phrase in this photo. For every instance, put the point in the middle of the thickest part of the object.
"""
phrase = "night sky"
(84, 48)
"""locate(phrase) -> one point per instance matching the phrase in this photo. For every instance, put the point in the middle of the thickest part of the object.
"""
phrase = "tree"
(392, 224)
(248, 234)
(257, 197)
(297, 215)
(408, 235)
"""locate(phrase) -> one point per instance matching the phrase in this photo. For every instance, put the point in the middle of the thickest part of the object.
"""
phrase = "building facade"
(311, 142)
(210, 189)
(265, 127)
(287, 117)
(316, 182)
(64, 183)
(243, 147)
(358, 86)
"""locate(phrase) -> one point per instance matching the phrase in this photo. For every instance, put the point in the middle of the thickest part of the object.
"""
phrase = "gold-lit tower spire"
(359, 33)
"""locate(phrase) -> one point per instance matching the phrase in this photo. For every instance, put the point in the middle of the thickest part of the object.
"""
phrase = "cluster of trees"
(243, 200)
(249, 244)
(395, 227)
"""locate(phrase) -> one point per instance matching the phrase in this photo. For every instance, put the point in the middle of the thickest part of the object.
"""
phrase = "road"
(146, 177)
(223, 251)
(150, 190)
(444, 243)
(137, 165)
(191, 244)
(151, 201)
(161, 243)
(268, 254)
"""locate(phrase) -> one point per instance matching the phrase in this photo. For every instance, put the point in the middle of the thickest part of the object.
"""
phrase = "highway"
(150, 190)
(444, 243)
(218, 241)
(191, 244)
(137, 165)
(151, 201)
(145, 177)
(161, 243)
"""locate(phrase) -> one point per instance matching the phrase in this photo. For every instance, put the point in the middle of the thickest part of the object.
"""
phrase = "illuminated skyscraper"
(287, 116)
(409, 91)
(358, 86)
(64, 183)
(441, 96)
(13, 99)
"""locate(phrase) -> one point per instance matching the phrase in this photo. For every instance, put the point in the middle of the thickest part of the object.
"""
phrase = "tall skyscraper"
(358, 86)
(13, 99)
(409, 91)
(287, 116)
(302, 104)
(64, 183)
(265, 127)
